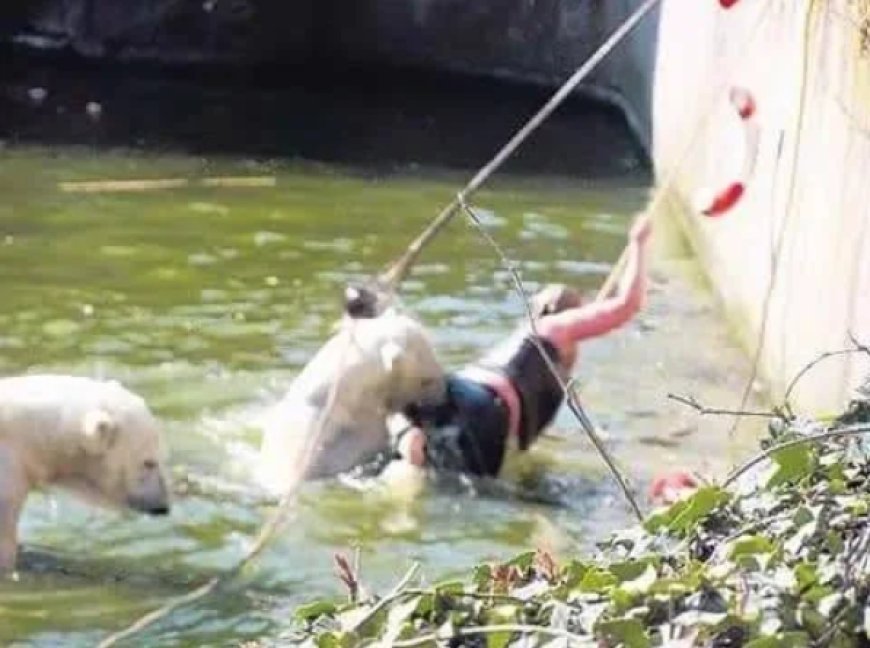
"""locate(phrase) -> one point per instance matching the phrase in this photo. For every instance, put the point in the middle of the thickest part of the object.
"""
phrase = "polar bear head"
(407, 354)
(124, 457)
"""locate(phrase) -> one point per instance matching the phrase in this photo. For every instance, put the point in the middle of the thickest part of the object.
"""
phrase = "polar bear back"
(46, 403)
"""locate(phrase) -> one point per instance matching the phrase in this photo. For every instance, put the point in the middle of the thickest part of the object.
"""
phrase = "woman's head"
(554, 298)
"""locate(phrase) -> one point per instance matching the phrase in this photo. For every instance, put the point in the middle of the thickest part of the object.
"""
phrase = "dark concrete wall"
(540, 41)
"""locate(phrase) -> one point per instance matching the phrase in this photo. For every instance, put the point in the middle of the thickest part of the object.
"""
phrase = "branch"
(854, 430)
(570, 395)
(821, 358)
(391, 277)
(266, 533)
(703, 410)
(859, 346)
(397, 591)
(494, 629)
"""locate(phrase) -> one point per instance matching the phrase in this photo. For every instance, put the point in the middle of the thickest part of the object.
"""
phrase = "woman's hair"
(554, 298)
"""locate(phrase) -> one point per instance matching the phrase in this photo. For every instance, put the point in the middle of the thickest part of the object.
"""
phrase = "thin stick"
(703, 410)
(108, 186)
(610, 282)
(822, 357)
(854, 430)
(570, 396)
(493, 629)
(397, 591)
(265, 535)
(397, 272)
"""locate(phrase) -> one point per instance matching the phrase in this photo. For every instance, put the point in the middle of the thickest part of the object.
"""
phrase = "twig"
(396, 592)
(347, 575)
(609, 284)
(480, 596)
(854, 430)
(859, 346)
(265, 535)
(570, 396)
(390, 278)
(493, 629)
(821, 358)
(155, 184)
(703, 410)
(156, 615)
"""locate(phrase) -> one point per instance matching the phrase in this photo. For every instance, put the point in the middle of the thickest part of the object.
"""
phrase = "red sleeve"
(600, 317)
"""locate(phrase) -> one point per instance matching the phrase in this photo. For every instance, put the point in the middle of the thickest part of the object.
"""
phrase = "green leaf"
(425, 605)
(523, 561)
(597, 580)
(397, 619)
(791, 465)
(573, 572)
(623, 632)
(630, 569)
(334, 640)
(685, 514)
(498, 639)
(505, 613)
(314, 610)
(641, 584)
(807, 574)
(449, 588)
(749, 545)
(482, 576)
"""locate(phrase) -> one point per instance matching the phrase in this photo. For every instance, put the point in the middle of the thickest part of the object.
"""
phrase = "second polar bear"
(92, 437)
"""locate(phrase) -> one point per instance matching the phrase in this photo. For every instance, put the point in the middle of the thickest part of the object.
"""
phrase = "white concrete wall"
(821, 289)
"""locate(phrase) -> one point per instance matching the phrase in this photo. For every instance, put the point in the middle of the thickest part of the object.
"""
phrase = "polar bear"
(92, 437)
(372, 367)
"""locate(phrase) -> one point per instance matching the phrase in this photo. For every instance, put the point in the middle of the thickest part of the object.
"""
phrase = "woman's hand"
(641, 228)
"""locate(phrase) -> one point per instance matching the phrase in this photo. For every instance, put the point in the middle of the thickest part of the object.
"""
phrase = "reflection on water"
(208, 301)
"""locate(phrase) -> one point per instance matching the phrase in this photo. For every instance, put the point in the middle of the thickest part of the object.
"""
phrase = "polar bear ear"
(390, 352)
(100, 431)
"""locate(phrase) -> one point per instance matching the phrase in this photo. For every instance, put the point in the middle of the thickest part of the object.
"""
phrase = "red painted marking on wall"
(743, 102)
(725, 199)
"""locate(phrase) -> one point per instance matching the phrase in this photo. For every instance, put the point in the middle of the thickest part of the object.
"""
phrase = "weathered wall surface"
(810, 198)
(541, 40)
(534, 41)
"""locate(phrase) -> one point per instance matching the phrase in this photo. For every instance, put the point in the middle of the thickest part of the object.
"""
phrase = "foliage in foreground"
(780, 561)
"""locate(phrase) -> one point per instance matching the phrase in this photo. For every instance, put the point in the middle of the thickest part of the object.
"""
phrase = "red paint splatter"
(725, 200)
(727, 4)
(743, 102)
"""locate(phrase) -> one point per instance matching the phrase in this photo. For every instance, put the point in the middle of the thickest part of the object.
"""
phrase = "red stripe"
(725, 200)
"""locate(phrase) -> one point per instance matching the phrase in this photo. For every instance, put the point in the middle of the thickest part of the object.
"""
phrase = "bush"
(779, 559)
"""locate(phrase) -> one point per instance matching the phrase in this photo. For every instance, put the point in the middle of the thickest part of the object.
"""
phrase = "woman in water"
(510, 396)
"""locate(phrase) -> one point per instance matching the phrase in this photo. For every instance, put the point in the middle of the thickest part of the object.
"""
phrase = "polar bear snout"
(151, 493)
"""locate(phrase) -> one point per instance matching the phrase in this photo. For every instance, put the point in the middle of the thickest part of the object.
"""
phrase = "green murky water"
(207, 301)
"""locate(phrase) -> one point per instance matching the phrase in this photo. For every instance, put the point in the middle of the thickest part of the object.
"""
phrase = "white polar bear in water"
(374, 367)
(92, 437)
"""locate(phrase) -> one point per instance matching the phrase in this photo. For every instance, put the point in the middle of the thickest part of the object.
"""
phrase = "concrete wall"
(811, 186)
(539, 41)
